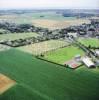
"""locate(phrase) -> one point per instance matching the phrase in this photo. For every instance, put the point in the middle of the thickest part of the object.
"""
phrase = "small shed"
(78, 57)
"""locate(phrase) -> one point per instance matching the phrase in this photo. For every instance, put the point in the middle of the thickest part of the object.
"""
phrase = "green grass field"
(89, 41)
(50, 16)
(14, 36)
(40, 80)
(64, 54)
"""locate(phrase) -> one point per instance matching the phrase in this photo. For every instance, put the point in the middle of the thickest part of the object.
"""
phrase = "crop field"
(51, 15)
(15, 18)
(89, 41)
(14, 36)
(63, 54)
(5, 83)
(50, 20)
(43, 47)
(20, 92)
(28, 17)
(40, 80)
(58, 24)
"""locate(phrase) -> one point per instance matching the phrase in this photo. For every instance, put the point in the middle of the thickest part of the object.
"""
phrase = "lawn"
(42, 47)
(14, 36)
(89, 41)
(64, 54)
(40, 80)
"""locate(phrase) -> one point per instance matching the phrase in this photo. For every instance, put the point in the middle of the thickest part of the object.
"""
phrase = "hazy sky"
(86, 4)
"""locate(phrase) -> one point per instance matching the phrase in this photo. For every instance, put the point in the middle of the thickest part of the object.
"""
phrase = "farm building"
(87, 61)
(72, 64)
(73, 34)
(78, 57)
(97, 52)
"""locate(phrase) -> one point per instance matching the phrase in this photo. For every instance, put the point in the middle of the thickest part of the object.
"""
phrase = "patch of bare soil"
(5, 83)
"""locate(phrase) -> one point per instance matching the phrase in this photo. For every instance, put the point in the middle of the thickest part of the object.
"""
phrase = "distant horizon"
(49, 4)
(49, 9)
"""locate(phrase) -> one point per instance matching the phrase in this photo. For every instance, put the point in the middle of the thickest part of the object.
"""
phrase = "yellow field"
(53, 21)
(8, 16)
(43, 47)
(5, 83)
(58, 24)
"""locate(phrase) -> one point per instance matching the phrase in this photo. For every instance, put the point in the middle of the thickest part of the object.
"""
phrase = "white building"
(78, 57)
(74, 34)
(88, 62)
(97, 52)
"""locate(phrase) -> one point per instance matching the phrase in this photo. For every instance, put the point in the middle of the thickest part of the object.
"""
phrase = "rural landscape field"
(48, 19)
(37, 79)
(49, 52)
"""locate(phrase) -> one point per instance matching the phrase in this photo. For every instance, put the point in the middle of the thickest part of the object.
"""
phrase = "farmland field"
(14, 36)
(58, 24)
(50, 20)
(5, 83)
(40, 80)
(28, 17)
(14, 93)
(64, 54)
(42, 47)
(89, 41)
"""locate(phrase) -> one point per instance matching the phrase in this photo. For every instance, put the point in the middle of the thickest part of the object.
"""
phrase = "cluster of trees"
(44, 34)
(31, 40)
(3, 31)
(93, 47)
(19, 28)
(91, 30)
(78, 15)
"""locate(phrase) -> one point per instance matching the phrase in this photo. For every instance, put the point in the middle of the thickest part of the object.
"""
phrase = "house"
(74, 34)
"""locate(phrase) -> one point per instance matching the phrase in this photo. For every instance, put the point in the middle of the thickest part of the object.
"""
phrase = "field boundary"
(56, 49)
(65, 66)
(38, 57)
(54, 62)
